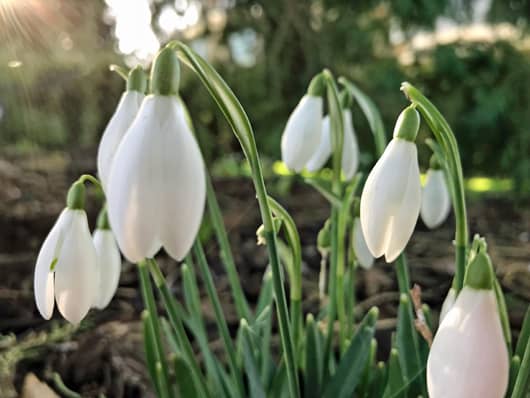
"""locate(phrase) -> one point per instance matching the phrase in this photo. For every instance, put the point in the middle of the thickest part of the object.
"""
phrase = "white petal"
(109, 267)
(119, 123)
(468, 357)
(448, 303)
(76, 270)
(43, 280)
(137, 180)
(350, 149)
(302, 133)
(407, 210)
(184, 188)
(323, 152)
(365, 258)
(436, 202)
(383, 194)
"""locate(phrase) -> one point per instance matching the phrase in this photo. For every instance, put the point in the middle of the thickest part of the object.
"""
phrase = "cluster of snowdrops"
(154, 180)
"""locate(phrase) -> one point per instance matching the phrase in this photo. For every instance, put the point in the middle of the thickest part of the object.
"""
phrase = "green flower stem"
(65, 391)
(219, 316)
(238, 121)
(520, 390)
(170, 305)
(149, 302)
(120, 70)
(446, 138)
(216, 218)
(92, 179)
(296, 275)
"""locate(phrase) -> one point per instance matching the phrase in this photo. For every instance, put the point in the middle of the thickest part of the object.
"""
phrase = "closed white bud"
(435, 201)
(109, 267)
(391, 199)
(362, 253)
(66, 268)
(302, 133)
(468, 357)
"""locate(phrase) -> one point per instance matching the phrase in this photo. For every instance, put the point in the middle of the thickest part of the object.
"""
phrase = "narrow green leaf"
(520, 389)
(348, 375)
(367, 374)
(395, 386)
(524, 335)
(251, 367)
(313, 360)
(184, 377)
(171, 338)
(378, 382)
(515, 364)
(503, 312)
(149, 347)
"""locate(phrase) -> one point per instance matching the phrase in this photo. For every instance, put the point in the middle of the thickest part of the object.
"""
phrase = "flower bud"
(362, 253)
(435, 200)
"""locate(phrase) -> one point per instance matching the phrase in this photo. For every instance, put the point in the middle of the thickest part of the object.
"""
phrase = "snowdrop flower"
(468, 357)
(391, 198)
(66, 264)
(362, 253)
(109, 262)
(119, 123)
(302, 134)
(435, 201)
(157, 184)
(350, 148)
(448, 303)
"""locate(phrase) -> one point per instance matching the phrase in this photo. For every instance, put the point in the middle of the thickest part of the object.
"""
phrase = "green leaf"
(251, 368)
(503, 312)
(521, 386)
(378, 381)
(313, 359)
(348, 375)
(515, 364)
(524, 335)
(367, 374)
(375, 121)
(184, 377)
(395, 386)
(149, 347)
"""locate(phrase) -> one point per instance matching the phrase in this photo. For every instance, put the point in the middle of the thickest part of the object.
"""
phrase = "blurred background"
(470, 57)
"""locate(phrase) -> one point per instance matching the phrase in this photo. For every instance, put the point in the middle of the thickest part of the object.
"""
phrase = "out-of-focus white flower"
(435, 201)
(109, 263)
(350, 148)
(119, 123)
(391, 198)
(448, 303)
(157, 185)
(362, 253)
(66, 267)
(468, 357)
(302, 133)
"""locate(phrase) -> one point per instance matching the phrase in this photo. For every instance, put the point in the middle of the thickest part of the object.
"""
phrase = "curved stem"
(238, 121)
(120, 70)
(446, 138)
(90, 178)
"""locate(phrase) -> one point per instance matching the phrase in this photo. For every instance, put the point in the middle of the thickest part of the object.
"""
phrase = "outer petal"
(302, 133)
(76, 270)
(468, 358)
(184, 188)
(323, 152)
(43, 283)
(137, 180)
(109, 267)
(362, 252)
(406, 211)
(436, 202)
(350, 149)
(119, 123)
(383, 193)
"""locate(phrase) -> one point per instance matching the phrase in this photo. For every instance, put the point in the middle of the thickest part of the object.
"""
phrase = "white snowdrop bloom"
(302, 134)
(391, 198)
(350, 148)
(119, 123)
(109, 263)
(362, 253)
(448, 303)
(469, 357)
(157, 184)
(66, 267)
(435, 201)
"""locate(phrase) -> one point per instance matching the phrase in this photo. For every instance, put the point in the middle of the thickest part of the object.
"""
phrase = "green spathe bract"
(479, 271)
(407, 124)
(75, 198)
(165, 73)
(137, 80)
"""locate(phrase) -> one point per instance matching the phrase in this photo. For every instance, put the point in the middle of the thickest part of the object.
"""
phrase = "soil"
(105, 354)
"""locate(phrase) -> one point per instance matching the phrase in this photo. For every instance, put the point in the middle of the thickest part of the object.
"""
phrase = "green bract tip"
(103, 219)
(317, 87)
(324, 237)
(346, 99)
(75, 199)
(434, 162)
(407, 124)
(479, 270)
(165, 73)
(137, 80)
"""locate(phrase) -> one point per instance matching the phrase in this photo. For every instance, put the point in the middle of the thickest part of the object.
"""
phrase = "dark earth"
(105, 355)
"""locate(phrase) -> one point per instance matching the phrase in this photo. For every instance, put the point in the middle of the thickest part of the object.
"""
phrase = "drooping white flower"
(448, 303)
(302, 133)
(119, 123)
(391, 198)
(66, 268)
(435, 202)
(109, 263)
(362, 253)
(468, 357)
(350, 148)
(157, 184)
